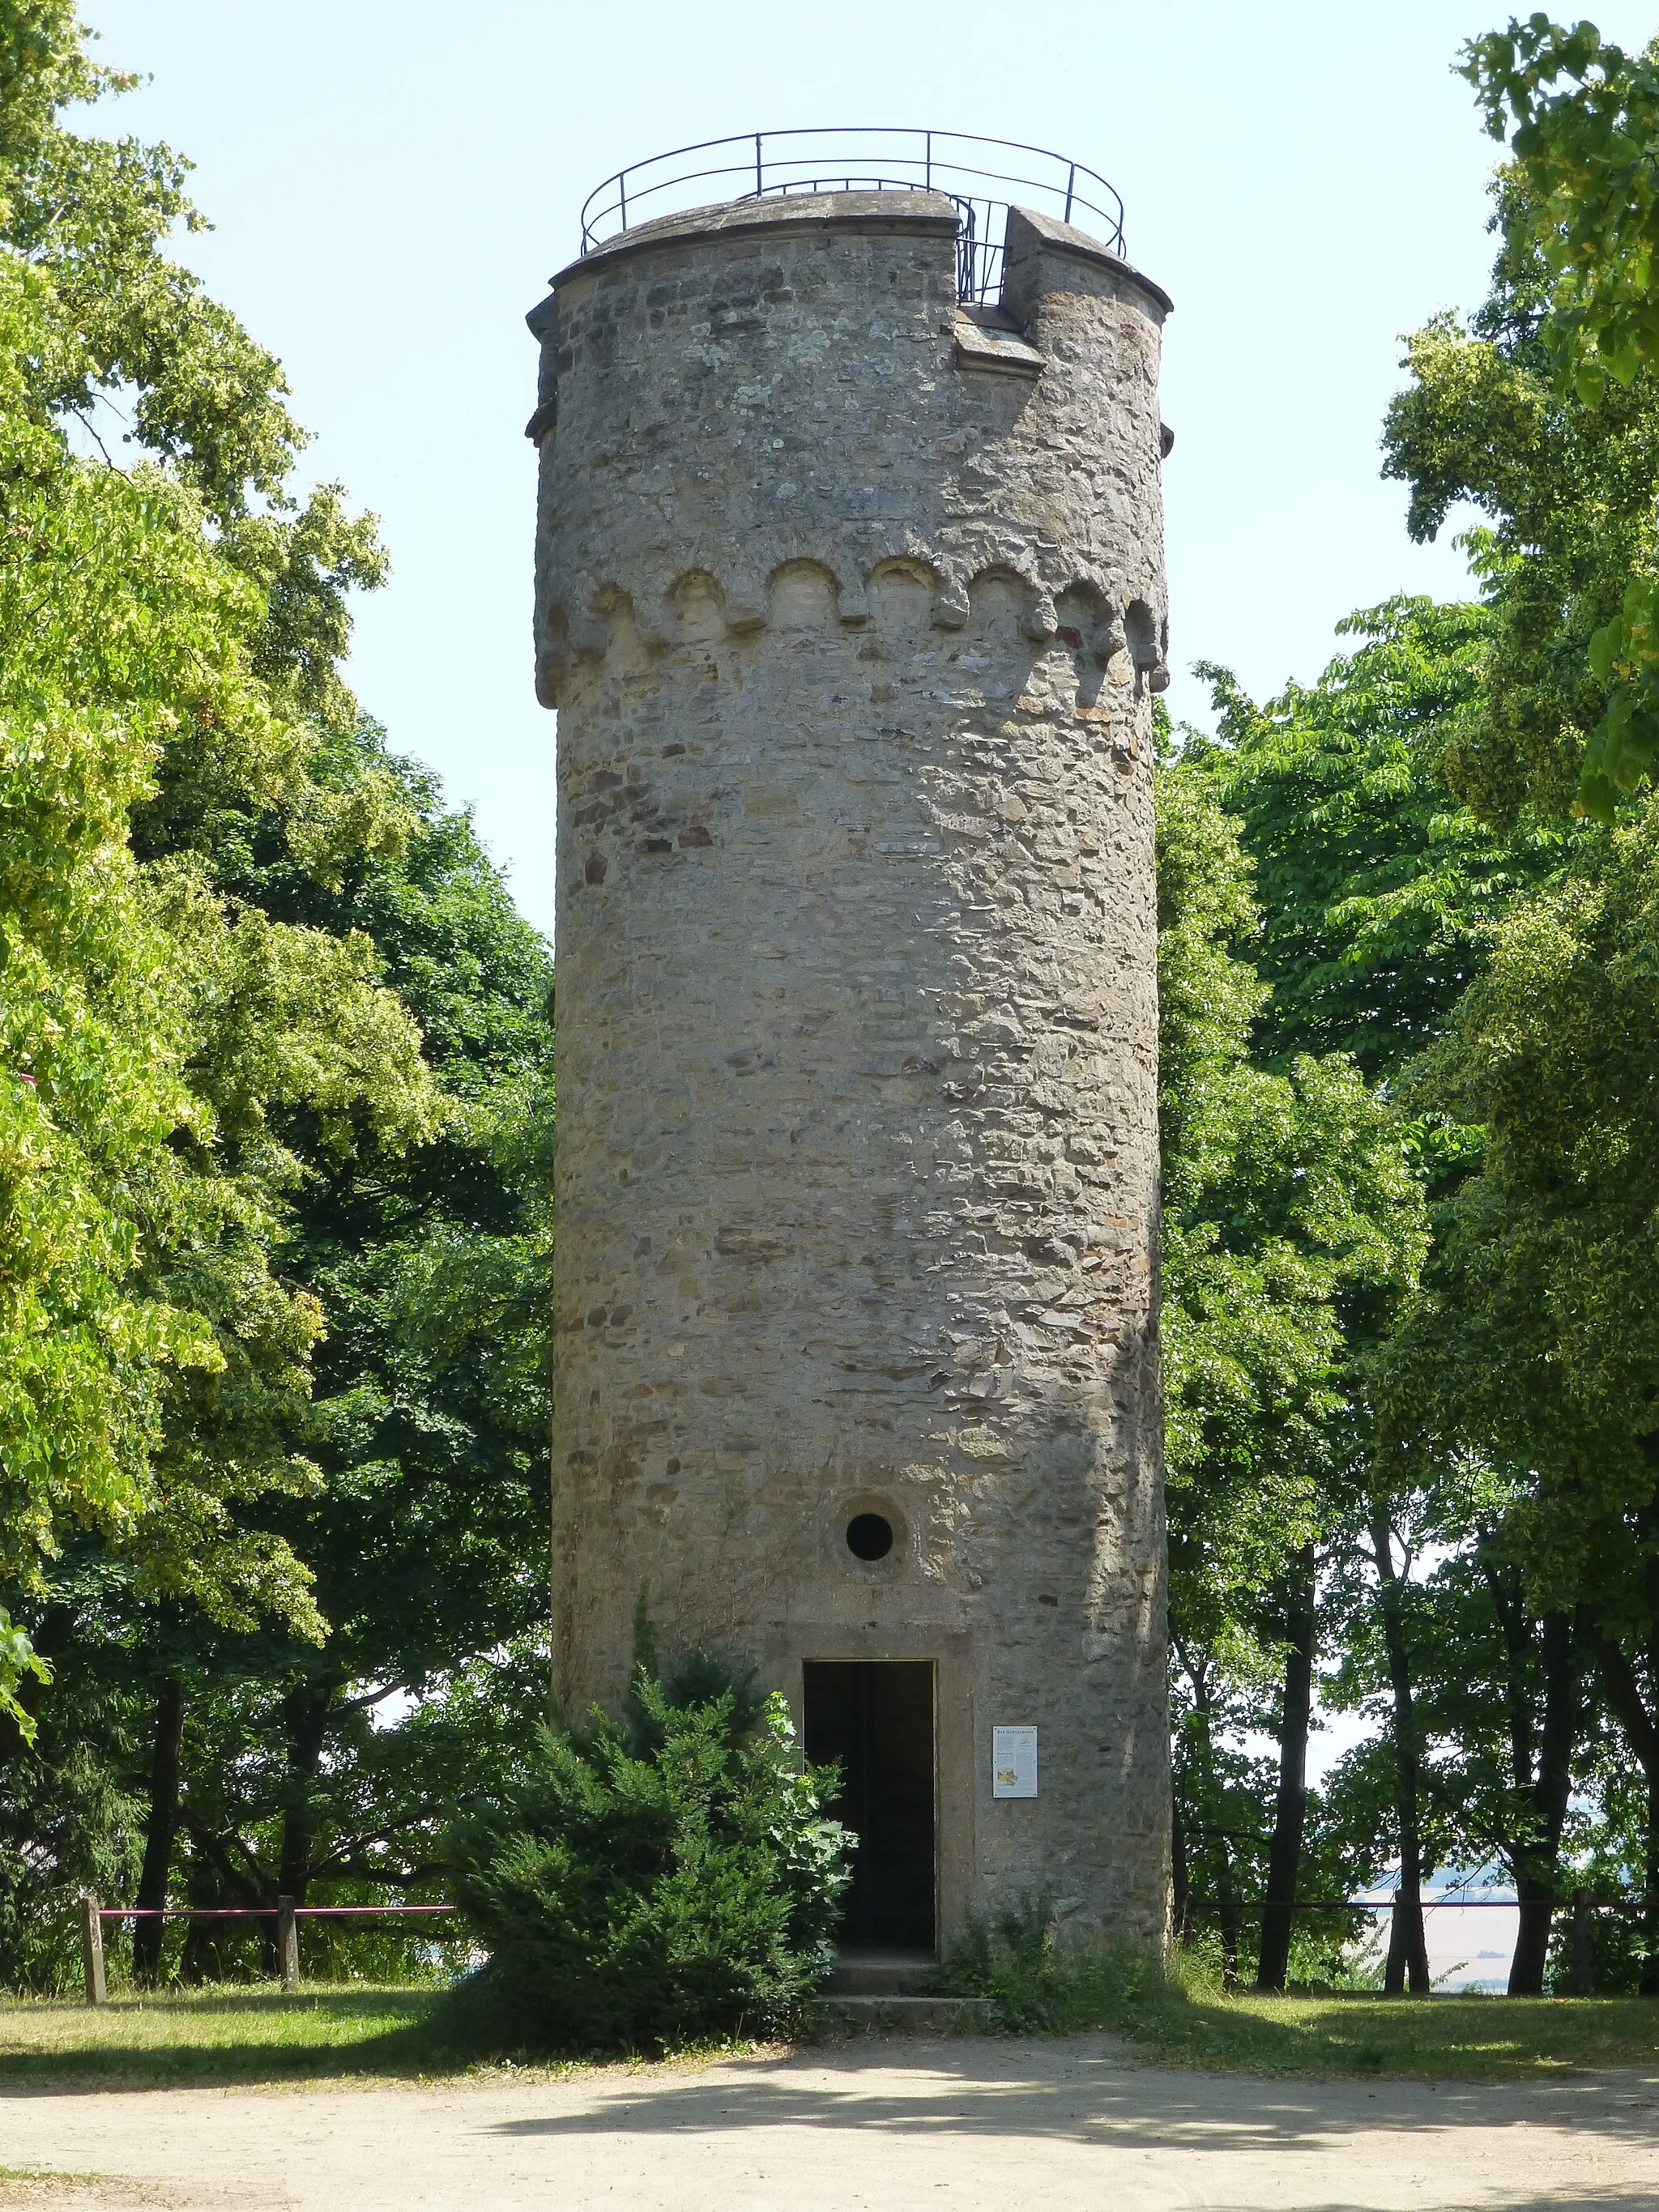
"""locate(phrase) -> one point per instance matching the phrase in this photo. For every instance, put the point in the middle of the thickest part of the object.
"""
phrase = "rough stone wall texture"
(853, 648)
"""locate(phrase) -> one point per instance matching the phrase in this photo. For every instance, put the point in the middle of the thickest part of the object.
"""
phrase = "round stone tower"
(851, 601)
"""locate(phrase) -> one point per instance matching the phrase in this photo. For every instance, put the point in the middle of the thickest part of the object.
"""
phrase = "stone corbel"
(1040, 622)
(950, 607)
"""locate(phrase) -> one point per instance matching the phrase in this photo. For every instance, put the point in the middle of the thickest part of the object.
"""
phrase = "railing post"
(1071, 186)
(287, 1944)
(92, 1949)
(759, 187)
(622, 188)
(929, 171)
(1581, 1958)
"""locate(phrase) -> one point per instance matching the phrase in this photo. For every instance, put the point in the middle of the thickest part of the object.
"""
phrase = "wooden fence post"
(92, 1949)
(1581, 1959)
(287, 1944)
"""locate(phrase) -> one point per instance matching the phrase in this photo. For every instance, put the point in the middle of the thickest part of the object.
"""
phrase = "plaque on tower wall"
(1013, 1762)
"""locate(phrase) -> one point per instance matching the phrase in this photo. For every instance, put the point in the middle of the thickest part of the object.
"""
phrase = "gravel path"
(975, 2126)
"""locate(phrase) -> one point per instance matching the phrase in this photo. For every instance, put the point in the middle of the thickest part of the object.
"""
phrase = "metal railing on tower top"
(867, 158)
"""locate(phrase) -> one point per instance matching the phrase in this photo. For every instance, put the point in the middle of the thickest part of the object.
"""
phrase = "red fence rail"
(288, 1915)
(285, 1912)
(260, 1912)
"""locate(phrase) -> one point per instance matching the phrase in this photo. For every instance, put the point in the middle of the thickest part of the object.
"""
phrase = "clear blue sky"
(393, 184)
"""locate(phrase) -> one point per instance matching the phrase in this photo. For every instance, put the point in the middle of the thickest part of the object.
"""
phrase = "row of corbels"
(1081, 614)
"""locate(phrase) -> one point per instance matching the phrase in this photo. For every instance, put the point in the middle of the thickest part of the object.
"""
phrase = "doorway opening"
(875, 1717)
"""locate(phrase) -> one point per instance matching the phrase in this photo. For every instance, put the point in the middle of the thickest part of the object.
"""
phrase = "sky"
(393, 182)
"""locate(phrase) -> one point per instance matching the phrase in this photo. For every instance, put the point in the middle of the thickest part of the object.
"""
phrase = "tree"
(1541, 412)
(1502, 1701)
(1379, 892)
(1383, 898)
(212, 1075)
(427, 1532)
(150, 1026)
(1532, 1341)
(1289, 1203)
(151, 1023)
(1581, 211)
(425, 1525)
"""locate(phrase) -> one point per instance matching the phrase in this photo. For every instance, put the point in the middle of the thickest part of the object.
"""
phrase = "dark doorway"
(875, 1716)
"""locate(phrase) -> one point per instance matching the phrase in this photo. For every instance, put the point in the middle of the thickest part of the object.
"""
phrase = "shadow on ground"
(1269, 2051)
(1089, 2090)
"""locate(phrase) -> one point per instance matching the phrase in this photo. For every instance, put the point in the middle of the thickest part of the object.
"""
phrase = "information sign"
(1013, 1762)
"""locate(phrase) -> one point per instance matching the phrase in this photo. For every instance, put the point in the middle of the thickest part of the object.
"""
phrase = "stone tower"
(851, 601)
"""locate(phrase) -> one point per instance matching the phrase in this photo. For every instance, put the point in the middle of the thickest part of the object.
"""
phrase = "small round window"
(869, 1535)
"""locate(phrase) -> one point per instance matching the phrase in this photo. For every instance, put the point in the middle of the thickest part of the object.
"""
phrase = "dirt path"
(975, 2126)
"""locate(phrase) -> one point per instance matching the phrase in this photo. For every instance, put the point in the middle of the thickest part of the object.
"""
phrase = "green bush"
(665, 1879)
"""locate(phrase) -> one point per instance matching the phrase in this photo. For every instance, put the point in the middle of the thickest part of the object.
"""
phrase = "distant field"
(330, 2034)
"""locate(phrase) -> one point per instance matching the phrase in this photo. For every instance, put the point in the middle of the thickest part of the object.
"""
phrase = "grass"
(219, 2035)
(230, 2036)
(1426, 2038)
(1183, 2017)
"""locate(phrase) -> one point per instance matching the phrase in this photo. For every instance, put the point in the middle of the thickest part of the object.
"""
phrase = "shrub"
(666, 1879)
(1037, 1988)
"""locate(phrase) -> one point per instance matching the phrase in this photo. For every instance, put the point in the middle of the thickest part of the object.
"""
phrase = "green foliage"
(1292, 1219)
(275, 1118)
(165, 654)
(422, 1521)
(428, 1532)
(42, 67)
(89, 216)
(1289, 1199)
(665, 1879)
(1524, 1371)
(1535, 1333)
(69, 1820)
(1586, 153)
(1543, 414)
(1379, 892)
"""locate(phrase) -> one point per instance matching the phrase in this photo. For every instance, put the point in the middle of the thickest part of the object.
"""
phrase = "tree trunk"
(1227, 1902)
(223, 1871)
(1537, 1852)
(1536, 1898)
(1624, 1690)
(1227, 1913)
(1290, 1814)
(167, 1748)
(307, 1710)
(1180, 1885)
(1408, 1955)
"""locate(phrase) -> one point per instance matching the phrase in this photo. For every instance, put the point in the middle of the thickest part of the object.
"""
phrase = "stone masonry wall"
(852, 644)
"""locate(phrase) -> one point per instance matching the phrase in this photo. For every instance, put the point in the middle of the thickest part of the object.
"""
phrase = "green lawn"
(250, 2035)
(217, 2035)
(1478, 2039)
